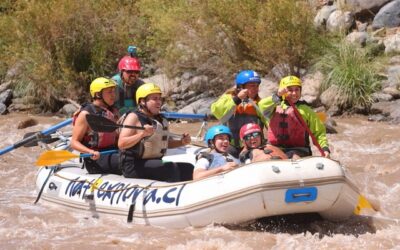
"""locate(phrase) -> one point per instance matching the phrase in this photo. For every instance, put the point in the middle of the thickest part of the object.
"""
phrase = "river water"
(370, 151)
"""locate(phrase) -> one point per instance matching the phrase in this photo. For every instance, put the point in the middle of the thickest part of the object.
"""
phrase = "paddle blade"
(100, 124)
(42, 138)
(54, 157)
(322, 116)
(363, 204)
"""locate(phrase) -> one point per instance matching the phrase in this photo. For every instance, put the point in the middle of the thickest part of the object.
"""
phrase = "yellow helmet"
(289, 81)
(146, 89)
(99, 84)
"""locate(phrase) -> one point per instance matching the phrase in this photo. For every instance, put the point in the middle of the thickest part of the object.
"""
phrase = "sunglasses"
(252, 135)
(132, 71)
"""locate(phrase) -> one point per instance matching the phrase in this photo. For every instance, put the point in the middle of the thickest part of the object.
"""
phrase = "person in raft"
(128, 82)
(285, 128)
(254, 147)
(238, 106)
(85, 140)
(142, 149)
(217, 159)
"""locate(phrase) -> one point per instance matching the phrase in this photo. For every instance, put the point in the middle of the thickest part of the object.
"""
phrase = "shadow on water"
(309, 222)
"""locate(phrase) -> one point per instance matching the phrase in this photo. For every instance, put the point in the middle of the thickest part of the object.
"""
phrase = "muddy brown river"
(369, 150)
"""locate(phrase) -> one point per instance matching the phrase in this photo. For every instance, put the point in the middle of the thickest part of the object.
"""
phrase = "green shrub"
(223, 37)
(352, 70)
(64, 45)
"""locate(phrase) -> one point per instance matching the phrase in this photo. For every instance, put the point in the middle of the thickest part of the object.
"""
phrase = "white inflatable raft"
(256, 190)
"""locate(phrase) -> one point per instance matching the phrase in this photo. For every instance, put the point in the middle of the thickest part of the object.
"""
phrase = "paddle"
(42, 138)
(183, 115)
(35, 136)
(322, 116)
(54, 157)
(102, 124)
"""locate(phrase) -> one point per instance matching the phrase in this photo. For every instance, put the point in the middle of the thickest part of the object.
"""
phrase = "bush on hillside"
(64, 45)
(220, 38)
(354, 72)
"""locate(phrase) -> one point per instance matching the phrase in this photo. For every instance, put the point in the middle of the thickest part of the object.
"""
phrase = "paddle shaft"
(305, 126)
(183, 116)
(106, 152)
(35, 136)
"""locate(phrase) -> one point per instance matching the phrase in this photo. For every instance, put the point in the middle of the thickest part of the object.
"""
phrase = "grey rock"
(267, 87)
(394, 92)
(363, 6)
(395, 60)
(4, 86)
(388, 108)
(381, 97)
(388, 16)
(330, 97)
(394, 76)
(330, 129)
(392, 43)
(340, 21)
(68, 110)
(323, 14)
(14, 71)
(3, 109)
(6, 97)
(188, 95)
(167, 85)
(358, 38)
(311, 88)
(378, 118)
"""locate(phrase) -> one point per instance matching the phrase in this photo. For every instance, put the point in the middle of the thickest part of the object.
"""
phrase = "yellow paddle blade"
(53, 157)
(322, 116)
(363, 204)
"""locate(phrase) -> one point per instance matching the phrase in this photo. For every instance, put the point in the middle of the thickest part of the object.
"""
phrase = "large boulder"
(340, 21)
(388, 16)
(323, 14)
(311, 88)
(363, 7)
(161, 80)
(389, 109)
(201, 106)
(268, 86)
(6, 97)
(392, 43)
(358, 38)
(393, 76)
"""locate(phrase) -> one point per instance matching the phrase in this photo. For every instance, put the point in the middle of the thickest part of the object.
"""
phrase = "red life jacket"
(285, 129)
(99, 140)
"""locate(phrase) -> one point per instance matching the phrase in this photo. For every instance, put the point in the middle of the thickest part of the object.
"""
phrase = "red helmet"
(248, 129)
(129, 63)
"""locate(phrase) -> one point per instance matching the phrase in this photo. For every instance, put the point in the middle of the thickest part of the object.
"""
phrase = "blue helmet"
(217, 130)
(246, 76)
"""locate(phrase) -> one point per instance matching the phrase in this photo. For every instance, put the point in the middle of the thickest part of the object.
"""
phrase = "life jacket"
(244, 113)
(286, 130)
(99, 140)
(154, 146)
(215, 159)
(262, 153)
(126, 94)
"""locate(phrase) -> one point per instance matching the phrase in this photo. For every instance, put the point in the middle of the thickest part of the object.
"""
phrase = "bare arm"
(78, 132)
